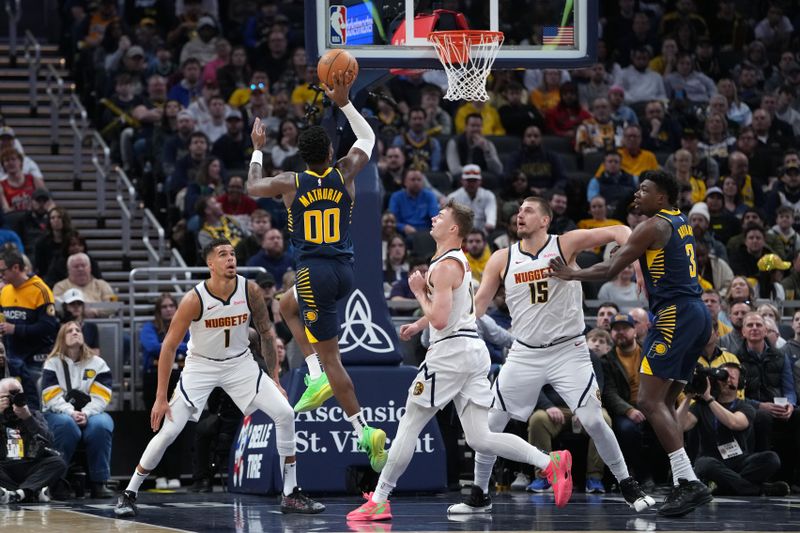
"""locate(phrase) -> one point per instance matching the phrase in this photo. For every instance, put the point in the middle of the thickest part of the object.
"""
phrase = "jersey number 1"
(539, 292)
(692, 263)
(322, 226)
(227, 337)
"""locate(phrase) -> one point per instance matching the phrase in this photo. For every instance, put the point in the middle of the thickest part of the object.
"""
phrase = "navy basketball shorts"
(679, 333)
(321, 283)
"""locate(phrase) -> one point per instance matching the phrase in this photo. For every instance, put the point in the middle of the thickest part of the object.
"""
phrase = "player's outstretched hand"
(160, 408)
(407, 331)
(259, 134)
(559, 269)
(340, 92)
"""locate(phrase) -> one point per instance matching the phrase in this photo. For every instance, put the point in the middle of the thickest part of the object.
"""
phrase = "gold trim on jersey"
(290, 223)
(672, 212)
(304, 287)
(665, 323)
(655, 264)
(312, 173)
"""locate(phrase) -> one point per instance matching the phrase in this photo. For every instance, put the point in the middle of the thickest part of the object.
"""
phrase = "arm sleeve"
(365, 137)
(453, 160)
(491, 209)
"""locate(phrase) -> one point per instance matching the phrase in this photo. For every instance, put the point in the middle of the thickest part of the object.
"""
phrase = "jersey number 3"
(322, 226)
(539, 292)
(692, 263)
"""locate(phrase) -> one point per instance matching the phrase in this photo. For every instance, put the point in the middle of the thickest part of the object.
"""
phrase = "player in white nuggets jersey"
(218, 313)
(547, 321)
(455, 369)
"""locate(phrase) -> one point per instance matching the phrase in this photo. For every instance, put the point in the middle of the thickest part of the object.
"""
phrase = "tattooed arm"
(264, 328)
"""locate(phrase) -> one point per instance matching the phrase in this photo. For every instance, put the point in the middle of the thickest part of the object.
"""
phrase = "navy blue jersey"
(670, 273)
(319, 218)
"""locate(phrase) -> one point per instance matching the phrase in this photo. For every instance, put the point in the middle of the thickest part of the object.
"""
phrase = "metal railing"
(14, 13)
(155, 254)
(180, 281)
(101, 161)
(56, 96)
(79, 124)
(33, 56)
(126, 200)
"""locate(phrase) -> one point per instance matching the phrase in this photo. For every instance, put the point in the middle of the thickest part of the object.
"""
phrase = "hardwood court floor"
(223, 512)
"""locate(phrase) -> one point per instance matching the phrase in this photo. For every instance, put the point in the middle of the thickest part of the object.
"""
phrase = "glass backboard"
(393, 33)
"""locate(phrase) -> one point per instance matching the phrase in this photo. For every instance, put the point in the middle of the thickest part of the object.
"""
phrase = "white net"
(467, 57)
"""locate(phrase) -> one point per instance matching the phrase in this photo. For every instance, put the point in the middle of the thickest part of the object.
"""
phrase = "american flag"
(558, 35)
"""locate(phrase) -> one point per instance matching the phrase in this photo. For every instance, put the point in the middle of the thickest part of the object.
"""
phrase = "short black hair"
(664, 181)
(208, 248)
(473, 115)
(608, 304)
(314, 145)
(13, 257)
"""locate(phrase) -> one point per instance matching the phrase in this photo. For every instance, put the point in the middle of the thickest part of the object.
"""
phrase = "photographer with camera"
(28, 465)
(76, 390)
(724, 423)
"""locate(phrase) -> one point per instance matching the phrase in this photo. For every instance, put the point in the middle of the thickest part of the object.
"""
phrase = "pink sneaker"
(371, 511)
(559, 474)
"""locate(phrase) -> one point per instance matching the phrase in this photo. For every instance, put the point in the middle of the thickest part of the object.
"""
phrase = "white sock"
(289, 478)
(681, 466)
(136, 481)
(382, 491)
(314, 366)
(483, 471)
(619, 469)
(358, 423)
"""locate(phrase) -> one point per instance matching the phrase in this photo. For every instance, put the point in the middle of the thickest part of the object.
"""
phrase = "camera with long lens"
(697, 385)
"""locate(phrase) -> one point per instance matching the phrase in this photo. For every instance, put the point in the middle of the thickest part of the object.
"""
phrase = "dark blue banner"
(326, 444)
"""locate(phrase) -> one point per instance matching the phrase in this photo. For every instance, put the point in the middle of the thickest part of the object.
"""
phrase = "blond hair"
(60, 346)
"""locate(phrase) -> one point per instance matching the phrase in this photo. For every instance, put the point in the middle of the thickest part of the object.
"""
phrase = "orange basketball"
(334, 61)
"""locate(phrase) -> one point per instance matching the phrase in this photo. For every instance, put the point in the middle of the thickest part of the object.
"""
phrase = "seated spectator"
(214, 223)
(769, 384)
(200, 108)
(634, 159)
(720, 417)
(95, 290)
(482, 201)
(638, 81)
(598, 132)
(561, 222)
(222, 56)
(74, 244)
(204, 43)
(623, 290)
(508, 238)
(614, 184)
(704, 168)
(395, 267)
(773, 334)
(563, 119)
(390, 120)
(272, 255)
(236, 203)
(791, 283)
(718, 142)
(236, 74)
(74, 310)
(286, 146)
(770, 275)
(188, 88)
(786, 193)
(792, 346)
(737, 111)
(785, 110)
(175, 142)
(597, 85)
(621, 391)
(400, 289)
(516, 115)
(547, 95)
(215, 125)
(116, 113)
(234, 148)
(414, 205)
(422, 151)
(32, 224)
(733, 341)
(683, 174)
(151, 337)
(437, 119)
(8, 140)
(713, 272)
(713, 302)
(666, 62)
(76, 391)
(605, 312)
(18, 188)
(700, 219)
(599, 212)
(27, 468)
(188, 167)
(687, 86)
(209, 181)
(744, 258)
(471, 147)
(621, 114)
(515, 191)
(388, 230)
(478, 253)
(723, 223)
(542, 167)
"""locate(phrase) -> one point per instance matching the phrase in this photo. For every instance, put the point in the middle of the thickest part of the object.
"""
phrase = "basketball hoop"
(467, 57)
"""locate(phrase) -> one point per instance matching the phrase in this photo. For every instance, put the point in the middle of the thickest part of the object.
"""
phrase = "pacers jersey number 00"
(319, 218)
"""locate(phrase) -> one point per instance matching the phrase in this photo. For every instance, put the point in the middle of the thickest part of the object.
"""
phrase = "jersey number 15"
(539, 291)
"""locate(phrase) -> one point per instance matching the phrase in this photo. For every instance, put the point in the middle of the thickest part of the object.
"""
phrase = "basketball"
(333, 62)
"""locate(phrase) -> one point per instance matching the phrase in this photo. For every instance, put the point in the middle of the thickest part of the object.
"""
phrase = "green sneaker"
(317, 391)
(373, 441)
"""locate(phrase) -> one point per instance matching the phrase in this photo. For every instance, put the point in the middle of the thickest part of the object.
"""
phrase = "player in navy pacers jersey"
(664, 246)
(320, 205)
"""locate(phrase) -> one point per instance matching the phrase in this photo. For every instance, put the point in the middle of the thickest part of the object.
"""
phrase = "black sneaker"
(634, 495)
(778, 488)
(477, 502)
(126, 504)
(202, 485)
(298, 502)
(685, 498)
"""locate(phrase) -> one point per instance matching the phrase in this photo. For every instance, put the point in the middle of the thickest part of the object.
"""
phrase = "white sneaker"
(44, 495)
(520, 482)
(5, 495)
(174, 484)
(161, 483)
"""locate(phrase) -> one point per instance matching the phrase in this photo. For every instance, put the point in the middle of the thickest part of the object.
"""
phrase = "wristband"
(258, 158)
